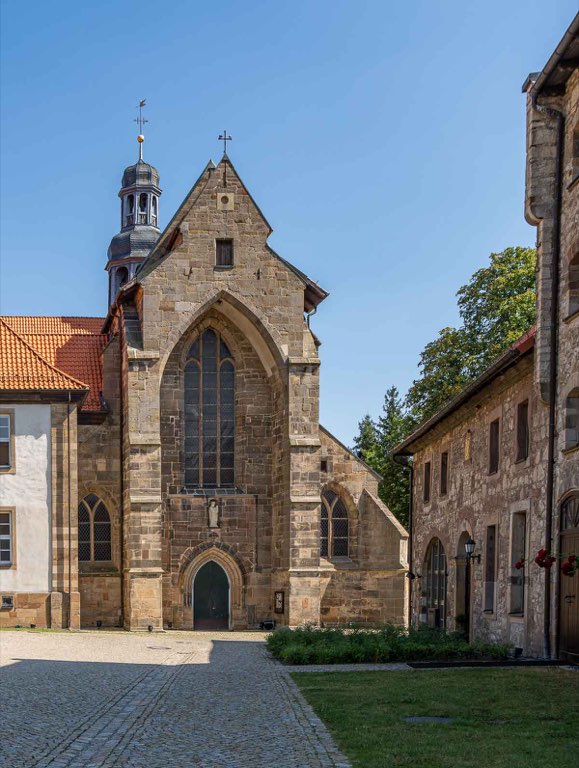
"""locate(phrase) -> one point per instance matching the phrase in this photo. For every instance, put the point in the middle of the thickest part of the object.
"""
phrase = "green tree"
(393, 426)
(366, 441)
(496, 306)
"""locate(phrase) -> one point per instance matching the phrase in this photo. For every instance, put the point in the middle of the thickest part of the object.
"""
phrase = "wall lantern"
(470, 546)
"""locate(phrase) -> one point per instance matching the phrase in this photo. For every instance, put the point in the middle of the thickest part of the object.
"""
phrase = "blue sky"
(384, 142)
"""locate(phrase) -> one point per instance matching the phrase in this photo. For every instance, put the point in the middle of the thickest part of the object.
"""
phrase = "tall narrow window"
(434, 584)
(444, 473)
(224, 253)
(522, 431)
(490, 568)
(6, 539)
(6, 458)
(154, 205)
(426, 479)
(518, 546)
(572, 419)
(334, 527)
(209, 413)
(129, 210)
(94, 530)
(494, 435)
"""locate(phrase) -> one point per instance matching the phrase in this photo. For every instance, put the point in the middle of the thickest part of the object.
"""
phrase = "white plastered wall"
(27, 491)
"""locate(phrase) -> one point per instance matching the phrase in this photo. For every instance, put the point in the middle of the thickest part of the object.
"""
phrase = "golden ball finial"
(140, 138)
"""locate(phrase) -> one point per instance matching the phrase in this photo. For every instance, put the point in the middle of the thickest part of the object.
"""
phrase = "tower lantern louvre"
(139, 195)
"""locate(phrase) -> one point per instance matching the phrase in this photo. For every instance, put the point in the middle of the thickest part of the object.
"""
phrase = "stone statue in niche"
(213, 513)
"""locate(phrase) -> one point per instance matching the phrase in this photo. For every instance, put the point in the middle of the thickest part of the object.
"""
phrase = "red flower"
(572, 558)
(540, 561)
(541, 554)
(568, 568)
(549, 561)
(519, 564)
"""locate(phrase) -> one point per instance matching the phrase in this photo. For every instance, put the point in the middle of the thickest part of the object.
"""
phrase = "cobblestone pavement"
(119, 700)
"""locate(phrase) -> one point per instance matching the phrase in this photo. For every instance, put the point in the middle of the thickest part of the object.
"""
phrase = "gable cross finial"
(140, 120)
(224, 137)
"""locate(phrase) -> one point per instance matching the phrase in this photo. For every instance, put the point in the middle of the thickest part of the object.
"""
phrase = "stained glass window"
(209, 413)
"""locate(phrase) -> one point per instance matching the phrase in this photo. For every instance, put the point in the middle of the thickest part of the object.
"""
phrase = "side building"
(496, 471)
(478, 470)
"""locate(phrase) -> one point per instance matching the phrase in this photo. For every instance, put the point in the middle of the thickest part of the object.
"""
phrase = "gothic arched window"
(209, 413)
(333, 526)
(94, 530)
(143, 208)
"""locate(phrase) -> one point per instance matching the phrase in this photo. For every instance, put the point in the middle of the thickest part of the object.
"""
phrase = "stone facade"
(552, 204)
(125, 458)
(475, 500)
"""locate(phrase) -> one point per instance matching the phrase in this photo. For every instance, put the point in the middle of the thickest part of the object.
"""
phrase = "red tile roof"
(71, 346)
(23, 368)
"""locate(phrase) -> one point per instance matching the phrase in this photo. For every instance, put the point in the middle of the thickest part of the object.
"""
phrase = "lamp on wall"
(470, 546)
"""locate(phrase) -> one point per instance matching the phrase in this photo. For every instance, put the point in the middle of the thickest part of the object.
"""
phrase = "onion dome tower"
(139, 196)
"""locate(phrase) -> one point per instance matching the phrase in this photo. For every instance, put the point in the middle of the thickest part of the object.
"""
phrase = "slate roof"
(70, 347)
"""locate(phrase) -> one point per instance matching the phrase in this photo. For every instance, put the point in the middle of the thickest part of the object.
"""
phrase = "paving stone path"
(114, 700)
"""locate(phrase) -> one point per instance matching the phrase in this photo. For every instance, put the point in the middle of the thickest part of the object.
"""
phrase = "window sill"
(516, 617)
(523, 462)
(7, 470)
(489, 615)
(223, 267)
(571, 317)
(571, 449)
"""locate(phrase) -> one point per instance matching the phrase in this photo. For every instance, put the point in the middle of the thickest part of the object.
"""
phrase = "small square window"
(7, 602)
(324, 465)
(224, 253)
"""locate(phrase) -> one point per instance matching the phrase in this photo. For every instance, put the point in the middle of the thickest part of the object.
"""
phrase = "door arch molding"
(196, 559)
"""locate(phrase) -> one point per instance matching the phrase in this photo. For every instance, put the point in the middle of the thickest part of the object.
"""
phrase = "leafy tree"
(496, 306)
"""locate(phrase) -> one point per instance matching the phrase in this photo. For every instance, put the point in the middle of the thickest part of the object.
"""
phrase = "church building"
(164, 466)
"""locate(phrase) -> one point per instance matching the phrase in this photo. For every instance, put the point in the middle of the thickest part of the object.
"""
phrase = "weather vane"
(140, 120)
(224, 138)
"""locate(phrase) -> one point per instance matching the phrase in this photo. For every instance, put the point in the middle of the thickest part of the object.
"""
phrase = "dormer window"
(154, 211)
(143, 208)
(129, 210)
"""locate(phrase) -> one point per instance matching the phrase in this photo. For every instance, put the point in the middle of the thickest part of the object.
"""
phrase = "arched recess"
(263, 338)
(224, 556)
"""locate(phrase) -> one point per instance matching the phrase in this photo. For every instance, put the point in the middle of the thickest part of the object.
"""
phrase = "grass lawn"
(501, 718)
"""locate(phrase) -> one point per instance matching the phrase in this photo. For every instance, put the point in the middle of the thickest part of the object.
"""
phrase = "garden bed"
(383, 645)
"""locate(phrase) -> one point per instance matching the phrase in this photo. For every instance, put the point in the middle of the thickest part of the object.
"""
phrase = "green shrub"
(388, 643)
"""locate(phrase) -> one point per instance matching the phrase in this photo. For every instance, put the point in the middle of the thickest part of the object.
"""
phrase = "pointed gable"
(215, 184)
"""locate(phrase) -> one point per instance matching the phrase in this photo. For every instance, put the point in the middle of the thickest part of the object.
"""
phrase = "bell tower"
(139, 232)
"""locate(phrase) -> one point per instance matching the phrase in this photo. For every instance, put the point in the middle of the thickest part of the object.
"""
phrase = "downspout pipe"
(553, 358)
(69, 505)
(406, 463)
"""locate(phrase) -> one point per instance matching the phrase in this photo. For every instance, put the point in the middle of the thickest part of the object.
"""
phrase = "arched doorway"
(211, 597)
(569, 585)
(434, 585)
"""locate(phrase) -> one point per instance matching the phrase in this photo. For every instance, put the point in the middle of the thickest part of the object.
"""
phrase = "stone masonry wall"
(476, 500)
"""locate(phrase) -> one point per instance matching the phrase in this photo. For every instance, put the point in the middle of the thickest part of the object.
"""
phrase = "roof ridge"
(39, 357)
